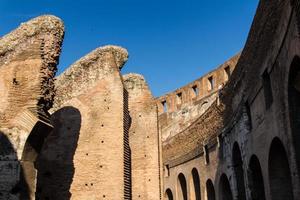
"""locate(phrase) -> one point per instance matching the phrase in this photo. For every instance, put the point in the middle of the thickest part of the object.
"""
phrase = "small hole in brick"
(148, 136)
(102, 125)
(15, 82)
(103, 196)
(140, 115)
(107, 108)
(102, 141)
(139, 196)
(101, 166)
(86, 184)
(92, 184)
(105, 100)
(87, 154)
(145, 155)
(149, 179)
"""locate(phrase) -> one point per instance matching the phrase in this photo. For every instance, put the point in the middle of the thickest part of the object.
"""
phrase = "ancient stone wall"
(84, 155)
(179, 109)
(100, 139)
(28, 59)
(255, 153)
(144, 139)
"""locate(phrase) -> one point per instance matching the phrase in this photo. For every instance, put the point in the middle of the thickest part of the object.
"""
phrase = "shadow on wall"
(55, 164)
(12, 180)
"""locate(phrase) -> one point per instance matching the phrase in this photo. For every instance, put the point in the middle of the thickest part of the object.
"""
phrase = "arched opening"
(279, 172)
(294, 105)
(195, 191)
(210, 190)
(224, 189)
(182, 187)
(168, 194)
(13, 184)
(256, 181)
(30, 153)
(238, 171)
(53, 182)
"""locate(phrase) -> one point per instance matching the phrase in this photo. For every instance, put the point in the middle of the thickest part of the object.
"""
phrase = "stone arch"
(238, 171)
(224, 188)
(52, 181)
(195, 189)
(279, 172)
(294, 105)
(182, 187)
(210, 190)
(32, 148)
(168, 194)
(15, 185)
(256, 181)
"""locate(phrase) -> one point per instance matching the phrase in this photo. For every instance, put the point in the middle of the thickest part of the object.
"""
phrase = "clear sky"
(170, 42)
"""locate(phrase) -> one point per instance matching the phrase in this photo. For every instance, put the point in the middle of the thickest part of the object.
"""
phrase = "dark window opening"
(211, 83)
(248, 112)
(224, 189)
(169, 194)
(210, 190)
(182, 186)
(256, 181)
(294, 105)
(206, 154)
(179, 98)
(279, 172)
(267, 89)
(196, 90)
(239, 171)
(165, 107)
(196, 193)
(227, 73)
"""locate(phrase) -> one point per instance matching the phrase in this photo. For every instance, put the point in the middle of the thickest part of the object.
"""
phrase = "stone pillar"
(144, 139)
(84, 156)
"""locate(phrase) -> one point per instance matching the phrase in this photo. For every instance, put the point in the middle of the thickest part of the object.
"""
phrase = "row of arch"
(279, 171)
(195, 191)
(280, 182)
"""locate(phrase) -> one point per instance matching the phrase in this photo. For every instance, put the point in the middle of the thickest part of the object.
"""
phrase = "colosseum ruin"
(92, 133)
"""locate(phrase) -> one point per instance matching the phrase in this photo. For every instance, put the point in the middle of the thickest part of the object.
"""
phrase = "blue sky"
(170, 42)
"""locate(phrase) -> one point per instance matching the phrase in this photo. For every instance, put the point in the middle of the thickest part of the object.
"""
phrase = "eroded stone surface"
(144, 139)
(28, 59)
(106, 137)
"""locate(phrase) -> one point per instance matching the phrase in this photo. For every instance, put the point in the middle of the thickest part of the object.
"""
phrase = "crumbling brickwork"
(93, 134)
(28, 59)
(143, 136)
(88, 135)
(71, 141)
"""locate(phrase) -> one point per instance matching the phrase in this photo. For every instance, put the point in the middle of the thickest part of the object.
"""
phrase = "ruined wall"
(28, 59)
(83, 158)
(179, 109)
(144, 139)
(254, 153)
